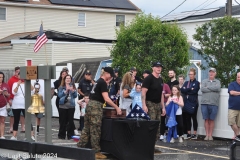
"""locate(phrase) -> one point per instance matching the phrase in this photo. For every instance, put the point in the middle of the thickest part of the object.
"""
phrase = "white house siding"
(99, 25)
(55, 52)
(69, 51)
(20, 52)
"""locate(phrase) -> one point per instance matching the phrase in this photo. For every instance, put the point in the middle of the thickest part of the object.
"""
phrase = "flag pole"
(45, 48)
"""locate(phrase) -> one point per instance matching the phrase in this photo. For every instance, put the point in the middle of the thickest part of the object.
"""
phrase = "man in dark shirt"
(146, 73)
(85, 84)
(173, 81)
(152, 96)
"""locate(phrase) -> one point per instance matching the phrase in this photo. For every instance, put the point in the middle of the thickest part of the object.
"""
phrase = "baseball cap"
(147, 72)
(115, 70)
(88, 72)
(212, 69)
(133, 69)
(109, 70)
(17, 68)
(64, 69)
(157, 64)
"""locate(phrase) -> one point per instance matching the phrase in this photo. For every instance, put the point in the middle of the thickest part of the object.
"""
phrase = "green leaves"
(147, 39)
(219, 40)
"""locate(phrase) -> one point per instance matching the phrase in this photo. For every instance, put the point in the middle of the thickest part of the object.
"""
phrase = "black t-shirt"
(171, 84)
(85, 86)
(99, 87)
(118, 82)
(155, 87)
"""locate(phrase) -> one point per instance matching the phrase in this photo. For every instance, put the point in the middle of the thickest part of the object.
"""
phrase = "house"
(189, 21)
(91, 18)
(75, 29)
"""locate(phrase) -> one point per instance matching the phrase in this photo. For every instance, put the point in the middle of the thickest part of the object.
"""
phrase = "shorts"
(3, 111)
(10, 113)
(233, 117)
(209, 111)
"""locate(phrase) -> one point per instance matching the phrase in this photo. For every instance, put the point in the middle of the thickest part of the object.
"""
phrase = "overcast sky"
(162, 7)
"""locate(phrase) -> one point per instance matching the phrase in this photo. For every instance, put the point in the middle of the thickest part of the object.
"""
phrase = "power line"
(237, 2)
(174, 9)
(203, 7)
(201, 4)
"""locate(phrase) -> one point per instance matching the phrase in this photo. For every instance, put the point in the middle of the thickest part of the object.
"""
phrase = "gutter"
(70, 8)
(201, 20)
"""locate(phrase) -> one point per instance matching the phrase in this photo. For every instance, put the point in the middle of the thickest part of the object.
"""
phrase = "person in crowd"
(177, 98)
(135, 94)
(166, 93)
(18, 105)
(134, 73)
(65, 69)
(146, 73)
(190, 90)
(181, 80)
(4, 95)
(234, 107)
(11, 81)
(83, 104)
(94, 112)
(67, 93)
(57, 84)
(173, 81)
(211, 88)
(117, 80)
(85, 86)
(152, 96)
(112, 90)
(125, 89)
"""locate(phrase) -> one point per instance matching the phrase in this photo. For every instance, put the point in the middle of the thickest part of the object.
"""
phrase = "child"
(177, 98)
(82, 106)
(135, 94)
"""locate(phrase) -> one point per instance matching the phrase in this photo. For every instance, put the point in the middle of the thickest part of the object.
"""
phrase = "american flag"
(41, 39)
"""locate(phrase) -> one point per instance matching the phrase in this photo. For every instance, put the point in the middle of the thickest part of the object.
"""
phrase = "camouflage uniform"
(154, 113)
(92, 125)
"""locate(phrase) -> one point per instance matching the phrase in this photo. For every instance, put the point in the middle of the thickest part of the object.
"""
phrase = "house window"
(82, 19)
(3, 13)
(120, 19)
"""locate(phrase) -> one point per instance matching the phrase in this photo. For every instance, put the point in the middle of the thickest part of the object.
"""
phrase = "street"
(189, 149)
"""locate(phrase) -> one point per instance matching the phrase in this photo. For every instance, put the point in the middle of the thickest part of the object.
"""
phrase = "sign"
(31, 72)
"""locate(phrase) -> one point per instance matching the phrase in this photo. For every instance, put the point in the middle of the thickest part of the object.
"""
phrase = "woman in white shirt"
(18, 105)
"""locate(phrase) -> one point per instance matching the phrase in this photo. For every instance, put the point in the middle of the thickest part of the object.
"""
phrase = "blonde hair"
(127, 79)
(193, 70)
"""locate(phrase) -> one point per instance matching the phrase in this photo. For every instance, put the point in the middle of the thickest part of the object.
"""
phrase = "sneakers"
(210, 138)
(37, 133)
(99, 155)
(189, 136)
(2, 137)
(13, 138)
(76, 133)
(172, 140)
(185, 136)
(33, 138)
(237, 138)
(193, 136)
(161, 138)
(180, 140)
(206, 138)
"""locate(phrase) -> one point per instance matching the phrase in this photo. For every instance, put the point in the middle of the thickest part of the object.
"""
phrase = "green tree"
(219, 40)
(146, 39)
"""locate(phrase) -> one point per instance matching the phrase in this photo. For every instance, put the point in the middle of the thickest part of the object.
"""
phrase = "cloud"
(160, 8)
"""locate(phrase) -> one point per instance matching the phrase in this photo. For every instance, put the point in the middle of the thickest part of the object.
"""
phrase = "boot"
(99, 155)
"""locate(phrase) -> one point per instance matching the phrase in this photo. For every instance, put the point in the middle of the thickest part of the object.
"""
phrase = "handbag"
(8, 107)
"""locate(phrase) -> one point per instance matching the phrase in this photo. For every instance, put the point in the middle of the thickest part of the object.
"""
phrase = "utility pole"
(229, 8)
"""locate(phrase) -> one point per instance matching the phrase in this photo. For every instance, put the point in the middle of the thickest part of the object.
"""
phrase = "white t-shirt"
(179, 110)
(18, 100)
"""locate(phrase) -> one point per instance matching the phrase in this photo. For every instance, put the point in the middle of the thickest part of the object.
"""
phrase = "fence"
(8, 73)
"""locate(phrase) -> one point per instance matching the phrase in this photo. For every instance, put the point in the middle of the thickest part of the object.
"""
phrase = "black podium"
(129, 139)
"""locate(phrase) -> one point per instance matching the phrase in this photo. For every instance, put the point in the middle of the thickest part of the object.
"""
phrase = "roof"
(201, 14)
(116, 4)
(81, 60)
(55, 36)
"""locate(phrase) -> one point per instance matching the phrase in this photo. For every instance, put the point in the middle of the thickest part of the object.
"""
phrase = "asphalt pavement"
(188, 150)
